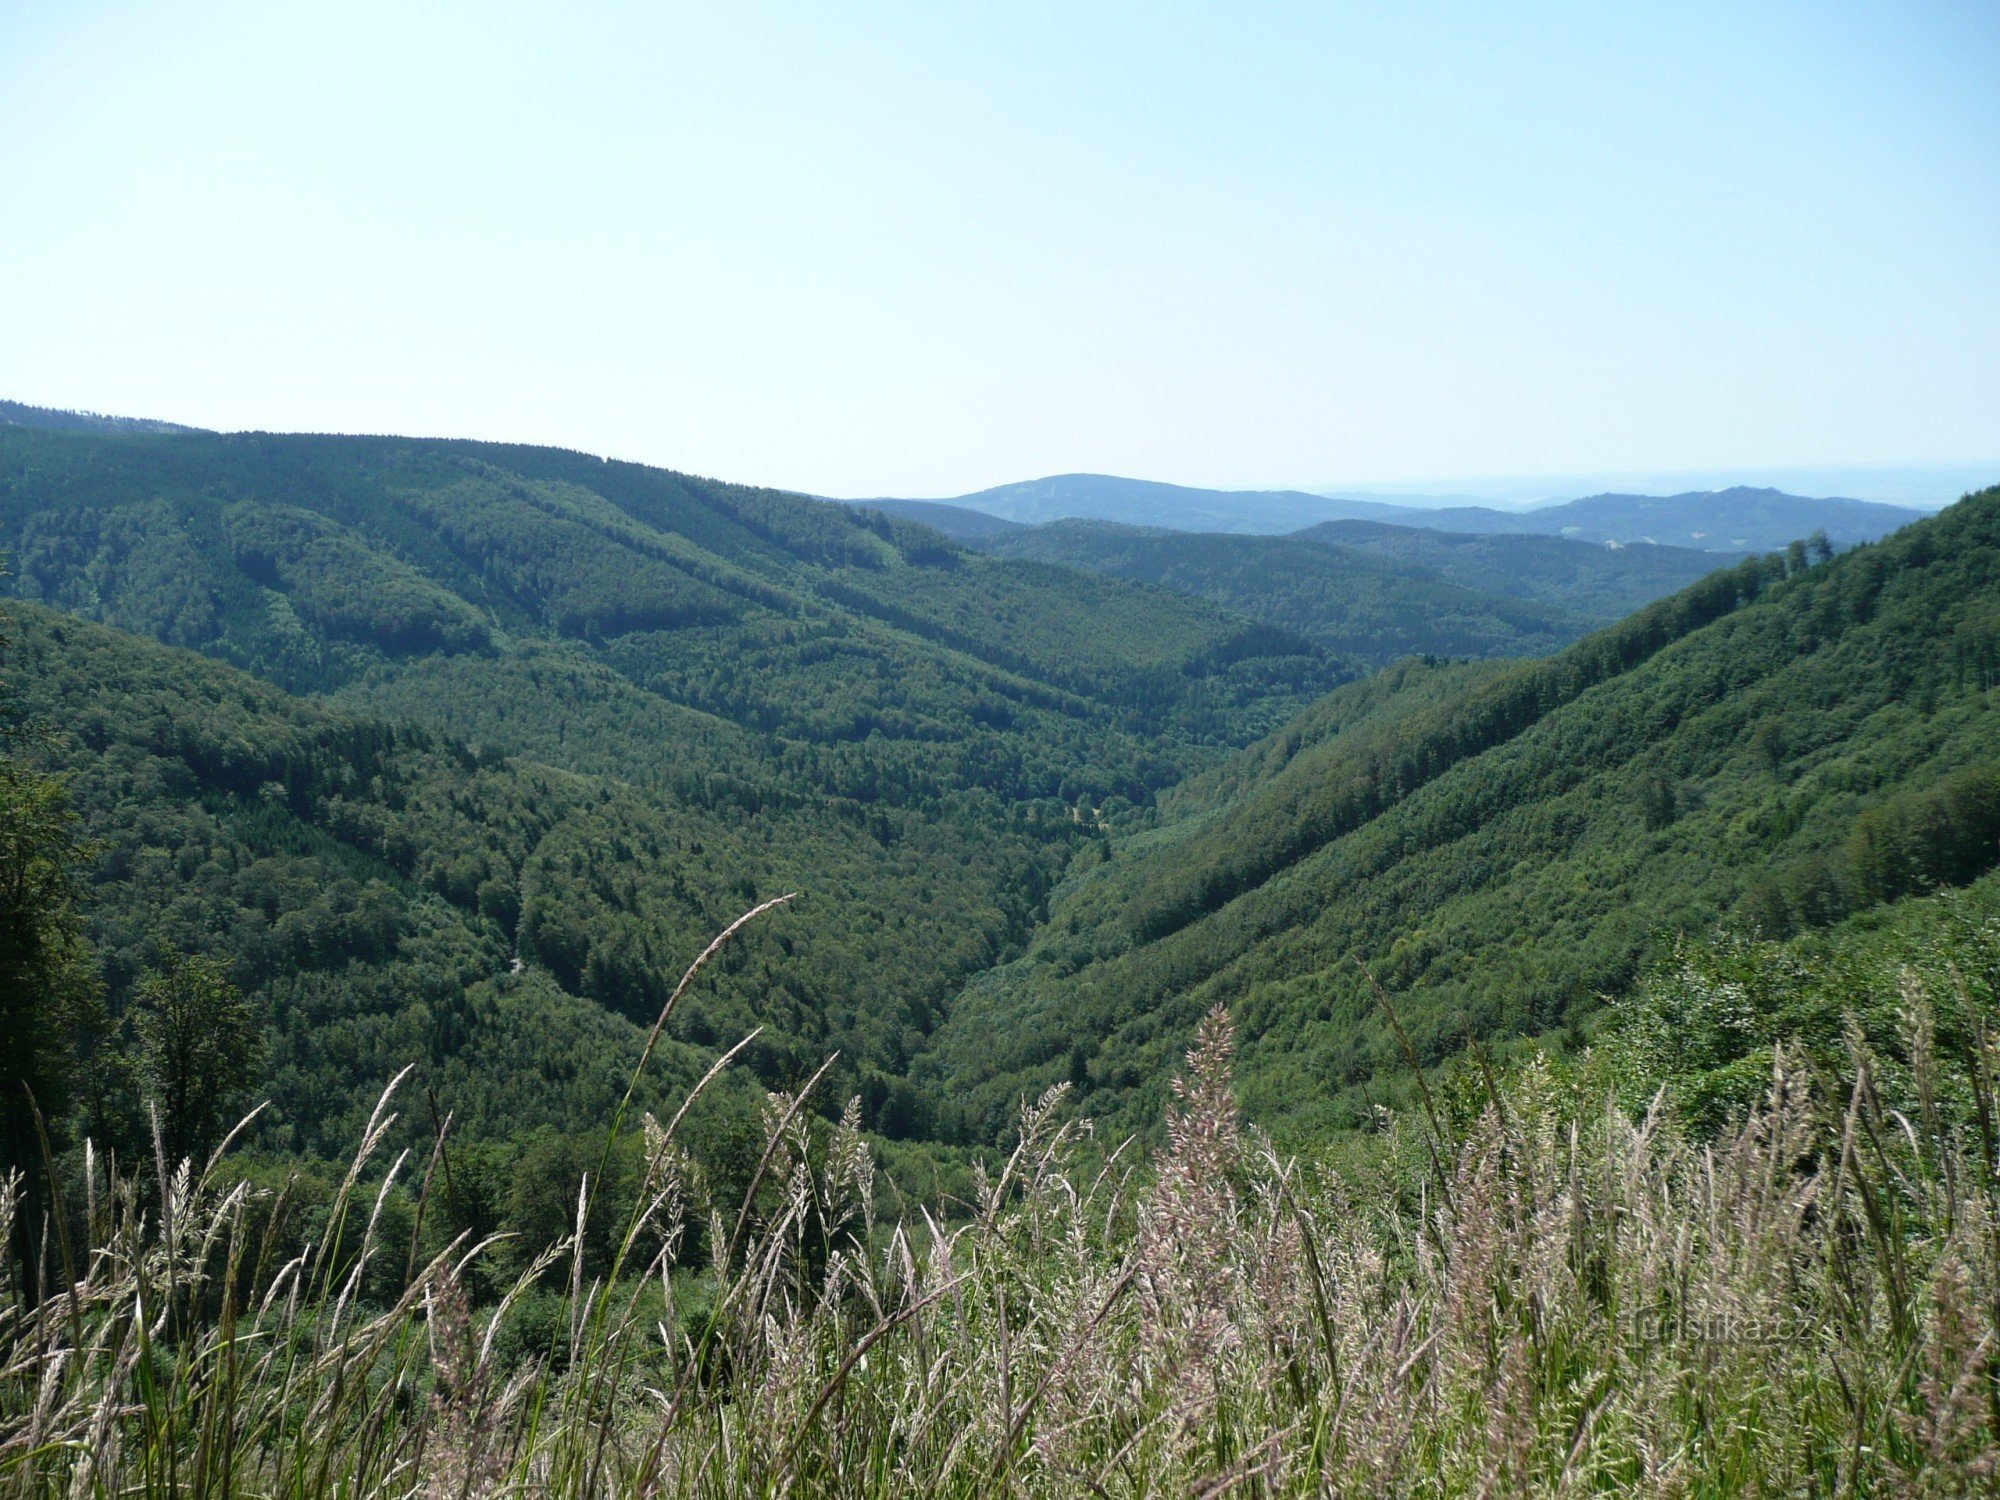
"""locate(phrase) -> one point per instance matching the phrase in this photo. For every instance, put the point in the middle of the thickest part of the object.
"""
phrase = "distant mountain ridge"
(1372, 608)
(954, 521)
(1735, 520)
(55, 419)
(1146, 502)
(1740, 519)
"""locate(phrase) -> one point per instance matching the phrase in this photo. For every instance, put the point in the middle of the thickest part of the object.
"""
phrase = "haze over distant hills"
(1369, 590)
(955, 521)
(1732, 520)
(1922, 486)
(1736, 519)
(1145, 502)
(1729, 518)
(53, 419)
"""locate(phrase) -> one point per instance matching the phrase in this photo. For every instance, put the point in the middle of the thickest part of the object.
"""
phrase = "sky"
(920, 249)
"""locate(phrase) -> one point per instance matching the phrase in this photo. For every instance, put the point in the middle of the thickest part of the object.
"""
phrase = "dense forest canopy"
(456, 752)
(1739, 519)
(1378, 592)
(561, 721)
(1785, 742)
(1743, 518)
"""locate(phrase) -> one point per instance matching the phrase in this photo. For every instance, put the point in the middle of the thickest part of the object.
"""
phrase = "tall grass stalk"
(1554, 1297)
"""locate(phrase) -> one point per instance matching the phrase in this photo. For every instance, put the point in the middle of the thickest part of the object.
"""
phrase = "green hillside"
(532, 726)
(372, 886)
(1373, 608)
(1146, 502)
(1503, 843)
(720, 693)
(721, 646)
(1602, 583)
(1742, 518)
(332, 564)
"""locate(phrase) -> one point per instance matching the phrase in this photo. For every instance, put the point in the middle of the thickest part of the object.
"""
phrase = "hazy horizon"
(1918, 486)
(898, 250)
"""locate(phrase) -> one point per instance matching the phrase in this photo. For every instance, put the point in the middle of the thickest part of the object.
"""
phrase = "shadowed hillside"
(1502, 844)
(762, 692)
(1377, 591)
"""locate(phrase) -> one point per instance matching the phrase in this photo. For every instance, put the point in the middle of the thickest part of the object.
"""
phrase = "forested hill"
(54, 419)
(766, 692)
(1146, 502)
(1740, 519)
(954, 521)
(1376, 591)
(580, 714)
(1596, 580)
(431, 575)
(368, 885)
(1502, 843)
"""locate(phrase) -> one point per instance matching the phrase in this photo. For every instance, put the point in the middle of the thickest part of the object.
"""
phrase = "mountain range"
(1145, 502)
(1375, 591)
(1734, 520)
(761, 692)
(455, 752)
(1502, 844)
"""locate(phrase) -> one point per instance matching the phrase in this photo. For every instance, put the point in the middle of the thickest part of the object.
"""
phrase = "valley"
(637, 864)
(380, 790)
(1046, 800)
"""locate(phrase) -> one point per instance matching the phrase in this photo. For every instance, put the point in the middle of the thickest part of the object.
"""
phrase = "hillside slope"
(954, 521)
(767, 692)
(755, 634)
(1146, 502)
(388, 895)
(1371, 608)
(1377, 591)
(55, 419)
(1503, 843)
(1740, 519)
(1596, 580)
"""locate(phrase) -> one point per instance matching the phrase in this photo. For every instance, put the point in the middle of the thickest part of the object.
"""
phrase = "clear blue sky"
(869, 249)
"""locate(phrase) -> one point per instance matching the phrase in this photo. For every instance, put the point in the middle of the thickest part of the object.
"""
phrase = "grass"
(1536, 1292)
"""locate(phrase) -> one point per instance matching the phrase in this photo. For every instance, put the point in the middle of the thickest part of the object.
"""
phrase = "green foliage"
(199, 1042)
(1527, 1290)
(1504, 845)
(1368, 608)
(1941, 834)
(48, 976)
(1589, 579)
(1705, 1018)
(345, 588)
(372, 887)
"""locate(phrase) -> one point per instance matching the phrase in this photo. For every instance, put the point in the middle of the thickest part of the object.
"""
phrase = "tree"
(1771, 746)
(48, 976)
(199, 1041)
(1659, 801)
